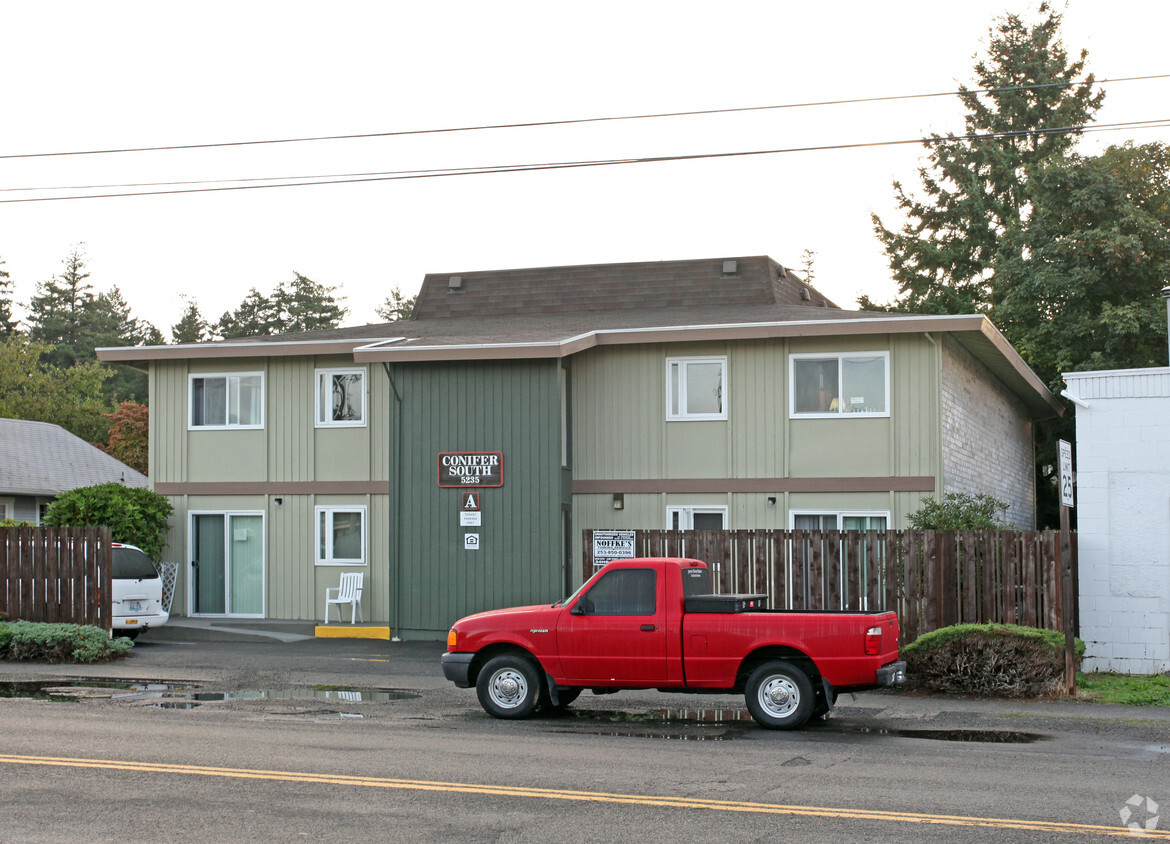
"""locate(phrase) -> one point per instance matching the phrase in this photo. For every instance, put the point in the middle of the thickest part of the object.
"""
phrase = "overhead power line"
(402, 175)
(574, 121)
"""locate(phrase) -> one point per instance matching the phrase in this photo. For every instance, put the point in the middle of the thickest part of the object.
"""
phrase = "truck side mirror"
(577, 609)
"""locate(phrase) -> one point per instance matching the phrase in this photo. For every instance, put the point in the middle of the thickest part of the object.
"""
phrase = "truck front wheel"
(779, 696)
(508, 687)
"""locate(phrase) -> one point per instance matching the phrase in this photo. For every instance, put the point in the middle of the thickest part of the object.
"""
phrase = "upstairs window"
(341, 398)
(695, 388)
(829, 386)
(234, 400)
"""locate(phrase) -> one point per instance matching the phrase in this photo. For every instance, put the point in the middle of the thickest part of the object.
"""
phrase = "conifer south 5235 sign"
(471, 468)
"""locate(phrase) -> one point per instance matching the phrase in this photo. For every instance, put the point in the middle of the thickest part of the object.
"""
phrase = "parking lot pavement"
(238, 654)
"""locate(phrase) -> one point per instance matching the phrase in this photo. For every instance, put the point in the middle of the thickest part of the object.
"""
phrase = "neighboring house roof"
(39, 458)
(560, 311)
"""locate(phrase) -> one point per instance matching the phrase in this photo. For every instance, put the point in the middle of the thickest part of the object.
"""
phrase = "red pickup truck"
(654, 624)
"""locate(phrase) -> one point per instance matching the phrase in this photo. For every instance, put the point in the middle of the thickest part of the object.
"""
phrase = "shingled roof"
(39, 458)
(654, 285)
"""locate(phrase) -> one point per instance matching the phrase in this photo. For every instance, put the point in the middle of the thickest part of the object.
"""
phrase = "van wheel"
(779, 696)
(508, 687)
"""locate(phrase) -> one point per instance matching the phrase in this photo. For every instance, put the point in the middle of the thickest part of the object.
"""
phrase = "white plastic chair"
(349, 592)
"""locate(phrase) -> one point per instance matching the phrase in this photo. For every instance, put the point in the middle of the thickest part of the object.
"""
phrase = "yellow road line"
(1050, 827)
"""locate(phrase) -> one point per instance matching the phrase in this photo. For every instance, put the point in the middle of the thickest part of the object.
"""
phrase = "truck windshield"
(132, 564)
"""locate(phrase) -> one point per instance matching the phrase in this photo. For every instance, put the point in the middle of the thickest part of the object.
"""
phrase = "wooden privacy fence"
(931, 578)
(56, 574)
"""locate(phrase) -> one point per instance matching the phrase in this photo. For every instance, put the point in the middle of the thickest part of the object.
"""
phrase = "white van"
(137, 592)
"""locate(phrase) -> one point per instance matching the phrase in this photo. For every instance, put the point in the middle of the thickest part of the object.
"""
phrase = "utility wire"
(569, 165)
(534, 124)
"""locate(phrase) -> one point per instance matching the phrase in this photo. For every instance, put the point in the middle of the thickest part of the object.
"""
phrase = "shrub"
(959, 511)
(135, 516)
(991, 659)
(30, 641)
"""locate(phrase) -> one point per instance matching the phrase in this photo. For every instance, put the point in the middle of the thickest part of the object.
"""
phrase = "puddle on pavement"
(725, 724)
(183, 695)
(984, 736)
(666, 724)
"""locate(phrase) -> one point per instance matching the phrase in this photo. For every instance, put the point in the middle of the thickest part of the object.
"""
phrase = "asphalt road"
(236, 742)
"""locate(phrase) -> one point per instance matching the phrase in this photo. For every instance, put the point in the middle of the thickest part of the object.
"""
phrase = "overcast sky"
(86, 76)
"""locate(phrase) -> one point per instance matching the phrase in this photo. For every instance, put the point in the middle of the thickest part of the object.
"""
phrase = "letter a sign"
(470, 501)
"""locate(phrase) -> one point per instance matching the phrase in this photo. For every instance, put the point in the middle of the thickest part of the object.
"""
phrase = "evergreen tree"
(57, 312)
(191, 327)
(300, 305)
(976, 190)
(7, 321)
(396, 307)
(307, 305)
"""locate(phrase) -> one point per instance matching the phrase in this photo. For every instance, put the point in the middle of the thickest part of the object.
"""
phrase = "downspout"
(396, 508)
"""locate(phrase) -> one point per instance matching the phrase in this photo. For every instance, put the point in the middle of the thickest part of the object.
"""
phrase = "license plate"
(134, 606)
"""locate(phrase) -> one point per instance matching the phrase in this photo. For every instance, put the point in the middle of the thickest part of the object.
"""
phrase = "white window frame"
(227, 376)
(319, 411)
(9, 505)
(330, 509)
(682, 415)
(840, 514)
(686, 514)
(840, 357)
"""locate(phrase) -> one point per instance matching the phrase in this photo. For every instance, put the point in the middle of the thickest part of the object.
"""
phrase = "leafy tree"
(396, 307)
(129, 436)
(1080, 287)
(191, 327)
(299, 305)
(32, 388)
(7, 321)
(959, 511)
(945, 258)
(134, 516)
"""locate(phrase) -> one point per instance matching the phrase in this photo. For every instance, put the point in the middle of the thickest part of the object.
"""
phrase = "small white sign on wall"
(470, 519)
(1066, 473)
(471, 542)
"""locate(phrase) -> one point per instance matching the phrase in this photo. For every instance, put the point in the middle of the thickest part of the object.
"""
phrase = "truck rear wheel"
(508, 687)
(779, 696)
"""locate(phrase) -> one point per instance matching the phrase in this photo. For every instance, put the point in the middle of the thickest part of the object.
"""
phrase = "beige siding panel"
(697, 449)
(168, 431)
(289, 388)
(757, 413)
(619, 412)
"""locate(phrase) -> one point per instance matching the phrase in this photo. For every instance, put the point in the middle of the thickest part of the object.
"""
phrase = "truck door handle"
(649, 628)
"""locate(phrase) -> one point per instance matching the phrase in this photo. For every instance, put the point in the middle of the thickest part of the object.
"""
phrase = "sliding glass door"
(227, 564)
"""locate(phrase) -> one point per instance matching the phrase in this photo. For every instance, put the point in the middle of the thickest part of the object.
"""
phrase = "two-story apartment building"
(456, 457)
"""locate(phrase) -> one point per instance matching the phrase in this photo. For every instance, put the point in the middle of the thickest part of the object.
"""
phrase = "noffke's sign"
(471, 468)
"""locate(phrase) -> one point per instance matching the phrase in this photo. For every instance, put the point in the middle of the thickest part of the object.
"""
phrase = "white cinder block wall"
(1123, 517)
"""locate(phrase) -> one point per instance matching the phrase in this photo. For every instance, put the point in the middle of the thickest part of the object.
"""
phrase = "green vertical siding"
(513, 408)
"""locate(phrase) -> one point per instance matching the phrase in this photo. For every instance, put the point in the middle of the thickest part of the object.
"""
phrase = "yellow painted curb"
(348, 631)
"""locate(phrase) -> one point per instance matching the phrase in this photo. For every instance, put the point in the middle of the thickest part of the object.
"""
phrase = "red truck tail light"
(873, 641)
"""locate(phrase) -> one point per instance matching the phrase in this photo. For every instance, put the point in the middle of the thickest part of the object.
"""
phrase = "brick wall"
(986, 436)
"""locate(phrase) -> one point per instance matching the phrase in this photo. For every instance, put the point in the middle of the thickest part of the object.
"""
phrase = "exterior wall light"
(619, 501)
